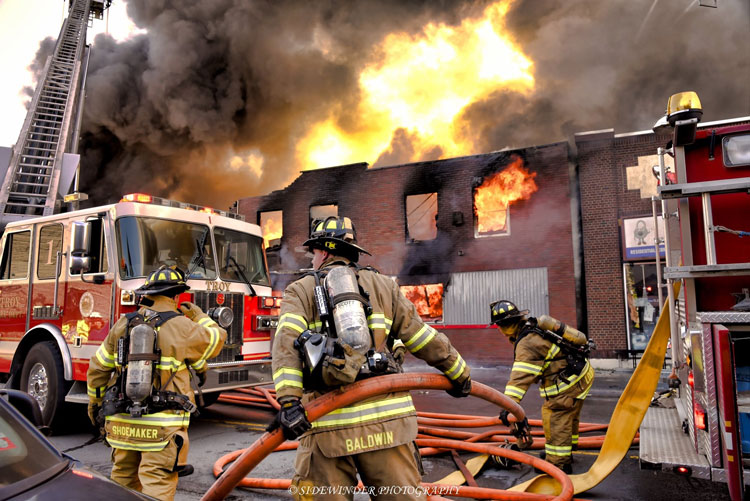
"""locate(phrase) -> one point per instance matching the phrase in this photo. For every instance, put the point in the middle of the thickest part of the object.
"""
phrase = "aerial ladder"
(39, 170)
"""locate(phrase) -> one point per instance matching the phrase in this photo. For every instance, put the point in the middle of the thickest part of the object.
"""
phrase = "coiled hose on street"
(247, 459)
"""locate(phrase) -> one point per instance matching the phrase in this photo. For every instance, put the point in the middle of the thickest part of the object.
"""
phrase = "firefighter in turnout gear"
(554, 355)
(375, 437)
(148, 430)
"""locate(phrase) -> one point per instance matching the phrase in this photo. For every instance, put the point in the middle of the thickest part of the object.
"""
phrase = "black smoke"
(166, 109)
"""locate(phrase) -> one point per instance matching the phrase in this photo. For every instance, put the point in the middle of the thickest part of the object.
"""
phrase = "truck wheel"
(42, 378)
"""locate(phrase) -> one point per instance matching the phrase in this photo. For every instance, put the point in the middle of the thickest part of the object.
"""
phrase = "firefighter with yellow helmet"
(139, 384)
(548, 352)
(340, 324)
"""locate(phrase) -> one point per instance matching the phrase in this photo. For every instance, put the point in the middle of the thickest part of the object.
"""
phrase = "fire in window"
(428, 300)
(421, 216)
(272, 226)
(495, 194)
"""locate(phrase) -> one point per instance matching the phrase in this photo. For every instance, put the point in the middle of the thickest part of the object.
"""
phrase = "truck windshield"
(240, 254)
(146, 243)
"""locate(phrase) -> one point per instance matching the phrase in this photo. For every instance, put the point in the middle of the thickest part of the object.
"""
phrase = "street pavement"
(224, 428)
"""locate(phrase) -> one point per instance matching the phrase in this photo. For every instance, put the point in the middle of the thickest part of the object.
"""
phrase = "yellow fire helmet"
(336, 235)
(164, 281)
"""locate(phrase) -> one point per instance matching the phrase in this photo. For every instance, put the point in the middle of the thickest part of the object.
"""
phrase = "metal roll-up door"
(467, 298)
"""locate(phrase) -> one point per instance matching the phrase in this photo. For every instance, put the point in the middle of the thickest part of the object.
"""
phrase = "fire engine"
(706, 433)
(65, 279)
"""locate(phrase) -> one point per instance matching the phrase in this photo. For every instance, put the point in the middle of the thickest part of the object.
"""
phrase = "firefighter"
(553, 355)
(375, 437)
(149, 439)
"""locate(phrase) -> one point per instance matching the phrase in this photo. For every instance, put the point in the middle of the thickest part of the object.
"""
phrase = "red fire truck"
(65, 279)
(706, 433)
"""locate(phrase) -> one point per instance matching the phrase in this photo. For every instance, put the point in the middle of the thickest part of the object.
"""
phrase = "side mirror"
(80, 251)
(79, 264)
(80, 243)
(26, 405)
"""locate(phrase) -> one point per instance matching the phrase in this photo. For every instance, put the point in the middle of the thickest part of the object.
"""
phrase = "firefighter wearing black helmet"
(551, 354)
(375, 437)
(150, 449)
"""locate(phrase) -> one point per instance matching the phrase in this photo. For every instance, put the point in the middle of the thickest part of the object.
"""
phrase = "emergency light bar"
(144, 198)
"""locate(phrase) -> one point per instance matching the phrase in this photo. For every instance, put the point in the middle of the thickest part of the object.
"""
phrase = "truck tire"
(42, 378)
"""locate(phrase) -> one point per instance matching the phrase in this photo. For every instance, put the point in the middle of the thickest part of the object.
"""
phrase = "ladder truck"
(66, 277)
(706, 432)
(43, 163)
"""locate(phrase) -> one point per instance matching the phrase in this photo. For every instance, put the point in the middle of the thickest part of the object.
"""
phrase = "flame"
(422, 84)
(428, 300)
(498, 191)
(272, 229)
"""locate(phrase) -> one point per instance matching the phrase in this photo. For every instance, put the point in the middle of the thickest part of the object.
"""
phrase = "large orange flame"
(428, 300)
(422, 84)
(272, 229)
(498, 191)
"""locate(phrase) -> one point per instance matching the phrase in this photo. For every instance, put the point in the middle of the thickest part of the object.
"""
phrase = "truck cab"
(66, 279)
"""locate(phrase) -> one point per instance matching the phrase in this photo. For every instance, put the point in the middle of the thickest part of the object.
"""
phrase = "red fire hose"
(268, 442)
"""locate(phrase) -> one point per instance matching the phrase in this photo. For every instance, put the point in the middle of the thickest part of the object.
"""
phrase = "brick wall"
(602, 160)
(541, 233)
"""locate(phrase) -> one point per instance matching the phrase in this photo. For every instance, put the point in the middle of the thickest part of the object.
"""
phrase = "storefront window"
(642, 302)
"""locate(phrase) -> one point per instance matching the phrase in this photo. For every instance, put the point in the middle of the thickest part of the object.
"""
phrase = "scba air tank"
(567, 332)
(348, 311)
(140, 362)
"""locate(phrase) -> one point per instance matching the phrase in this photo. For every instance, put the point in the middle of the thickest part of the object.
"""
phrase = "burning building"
(456, 234)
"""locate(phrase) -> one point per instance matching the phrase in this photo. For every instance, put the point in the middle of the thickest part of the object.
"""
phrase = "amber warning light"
(145, 198)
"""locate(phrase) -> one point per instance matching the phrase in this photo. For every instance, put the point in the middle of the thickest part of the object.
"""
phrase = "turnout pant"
(561, 416)
(388, 474)
(151, 473)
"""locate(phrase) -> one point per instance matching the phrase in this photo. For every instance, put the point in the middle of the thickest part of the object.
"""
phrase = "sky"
(208, 101)
(24, 23)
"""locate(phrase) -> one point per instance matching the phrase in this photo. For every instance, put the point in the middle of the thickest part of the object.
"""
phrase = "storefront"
(640, 278)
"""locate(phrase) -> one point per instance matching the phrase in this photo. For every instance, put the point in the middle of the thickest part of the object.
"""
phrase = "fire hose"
(249, 458)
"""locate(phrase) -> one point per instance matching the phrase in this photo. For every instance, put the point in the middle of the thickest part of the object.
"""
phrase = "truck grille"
(232, 350)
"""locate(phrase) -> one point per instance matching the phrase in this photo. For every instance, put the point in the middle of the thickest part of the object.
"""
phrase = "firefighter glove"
(504, 418)
(190, 310)
(522, 431)
(460, 390)
(399, 354)
(94, 413)
(292, 419)
(201, 378)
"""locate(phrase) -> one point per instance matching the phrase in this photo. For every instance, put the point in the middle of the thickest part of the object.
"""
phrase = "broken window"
(323, 211)
(495, 194)
(421, 216)
(428, 299)
(271, 223)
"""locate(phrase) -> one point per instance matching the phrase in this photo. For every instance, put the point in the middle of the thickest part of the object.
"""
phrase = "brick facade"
(571, 225)
(541, 228)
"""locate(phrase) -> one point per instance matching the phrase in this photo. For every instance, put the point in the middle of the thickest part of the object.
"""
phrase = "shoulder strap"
(163, 316)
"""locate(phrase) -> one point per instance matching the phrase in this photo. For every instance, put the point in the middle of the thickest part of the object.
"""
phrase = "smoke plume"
(210, 104)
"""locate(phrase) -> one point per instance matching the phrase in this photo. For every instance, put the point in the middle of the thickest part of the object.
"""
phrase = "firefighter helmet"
(335, 235)
(504, 312)
(164, 281)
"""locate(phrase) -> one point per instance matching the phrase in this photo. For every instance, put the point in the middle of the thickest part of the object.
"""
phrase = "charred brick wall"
(541, 232)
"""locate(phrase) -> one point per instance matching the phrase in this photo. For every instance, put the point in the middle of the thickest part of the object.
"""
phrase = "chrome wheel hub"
(38, 386)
